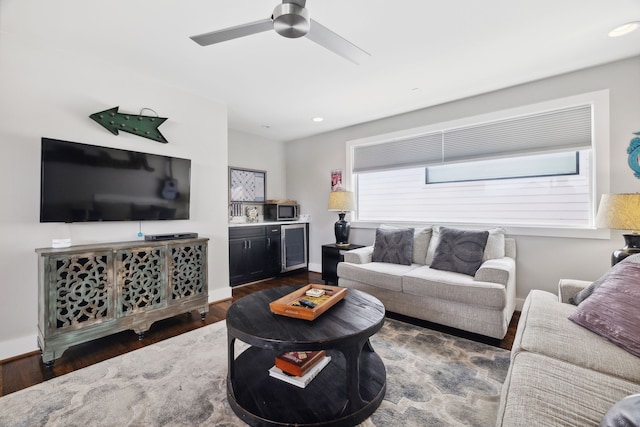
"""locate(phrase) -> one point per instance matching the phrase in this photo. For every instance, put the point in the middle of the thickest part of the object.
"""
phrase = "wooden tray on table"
(289, 305)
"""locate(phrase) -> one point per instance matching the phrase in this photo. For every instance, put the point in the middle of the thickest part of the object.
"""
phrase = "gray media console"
(90, 291)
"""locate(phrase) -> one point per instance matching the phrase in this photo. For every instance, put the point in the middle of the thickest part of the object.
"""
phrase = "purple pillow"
(612, 310)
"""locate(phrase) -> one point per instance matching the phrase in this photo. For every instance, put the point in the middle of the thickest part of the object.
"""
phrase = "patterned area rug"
(433, 379)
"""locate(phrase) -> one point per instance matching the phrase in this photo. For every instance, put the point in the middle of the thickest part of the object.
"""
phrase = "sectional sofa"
(473, 287)
(577, 365)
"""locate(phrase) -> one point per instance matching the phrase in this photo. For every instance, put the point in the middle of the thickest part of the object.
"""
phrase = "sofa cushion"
(446, 285)
(495, 247)
(544, 328)
(460, 251)
(379, 274)
(421, 238)
(612, 310)
(586, 292)
(393, 246)
(542, 391)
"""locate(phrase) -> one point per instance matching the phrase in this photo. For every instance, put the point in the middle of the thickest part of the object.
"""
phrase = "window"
(532, 170)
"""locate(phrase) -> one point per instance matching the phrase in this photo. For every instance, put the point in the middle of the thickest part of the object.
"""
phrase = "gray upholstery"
(483, 304)
(542, 391)
(456, 287)
(562, 374)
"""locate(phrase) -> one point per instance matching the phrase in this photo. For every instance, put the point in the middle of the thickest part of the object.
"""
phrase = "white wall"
(249, 151)
(542, 261)
(45, 92)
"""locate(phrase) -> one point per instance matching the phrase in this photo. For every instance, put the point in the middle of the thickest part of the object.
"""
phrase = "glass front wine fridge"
(294, 247)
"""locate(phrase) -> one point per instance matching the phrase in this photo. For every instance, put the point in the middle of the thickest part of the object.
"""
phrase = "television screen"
(81, 182)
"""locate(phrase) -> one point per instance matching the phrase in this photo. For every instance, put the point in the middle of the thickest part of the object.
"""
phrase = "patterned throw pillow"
(460, 251)
(612, 310)
(393, 245)
(421, 238)
(586, 292)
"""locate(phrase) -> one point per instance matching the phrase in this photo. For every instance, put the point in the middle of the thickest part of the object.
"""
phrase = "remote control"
(307, 303)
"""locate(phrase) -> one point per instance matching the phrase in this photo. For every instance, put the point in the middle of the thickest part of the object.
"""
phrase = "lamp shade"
(342, 201)
(620, 212)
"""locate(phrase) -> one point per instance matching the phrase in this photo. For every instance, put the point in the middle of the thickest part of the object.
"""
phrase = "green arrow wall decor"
(144, 126)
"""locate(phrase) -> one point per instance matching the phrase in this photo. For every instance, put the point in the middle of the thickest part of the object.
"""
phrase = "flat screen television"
(81, 183)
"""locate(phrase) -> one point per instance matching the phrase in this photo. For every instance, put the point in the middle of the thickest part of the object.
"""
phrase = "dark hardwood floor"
(26, 370)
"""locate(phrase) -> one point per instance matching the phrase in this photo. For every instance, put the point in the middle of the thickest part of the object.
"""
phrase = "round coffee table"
(347, 391)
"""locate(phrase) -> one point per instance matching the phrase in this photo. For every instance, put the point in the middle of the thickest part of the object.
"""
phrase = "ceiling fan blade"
(233, 32)
(338, 45)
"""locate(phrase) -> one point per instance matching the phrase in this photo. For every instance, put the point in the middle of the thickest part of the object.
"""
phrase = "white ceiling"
(423, 52)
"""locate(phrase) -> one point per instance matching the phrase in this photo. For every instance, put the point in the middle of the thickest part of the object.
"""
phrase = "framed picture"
(246, 185)
(336, 180)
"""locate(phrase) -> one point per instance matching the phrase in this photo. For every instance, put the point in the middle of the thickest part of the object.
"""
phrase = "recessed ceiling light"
(318, 119)
(624, 29)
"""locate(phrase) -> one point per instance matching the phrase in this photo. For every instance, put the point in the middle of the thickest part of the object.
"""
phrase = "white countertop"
(250, 224)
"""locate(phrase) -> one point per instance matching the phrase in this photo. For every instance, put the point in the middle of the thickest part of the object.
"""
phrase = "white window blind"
(562, 129)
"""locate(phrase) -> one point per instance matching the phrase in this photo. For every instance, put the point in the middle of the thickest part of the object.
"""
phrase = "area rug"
(433, 379)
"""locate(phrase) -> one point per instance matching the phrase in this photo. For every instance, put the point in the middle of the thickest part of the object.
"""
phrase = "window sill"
(573, 233)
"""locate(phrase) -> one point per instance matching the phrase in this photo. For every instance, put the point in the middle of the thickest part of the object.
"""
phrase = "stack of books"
(299, 367)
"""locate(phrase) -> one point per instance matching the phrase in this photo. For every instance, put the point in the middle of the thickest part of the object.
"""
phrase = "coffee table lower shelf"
(261, 400)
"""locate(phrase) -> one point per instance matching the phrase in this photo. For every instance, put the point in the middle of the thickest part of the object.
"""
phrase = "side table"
(331, 255)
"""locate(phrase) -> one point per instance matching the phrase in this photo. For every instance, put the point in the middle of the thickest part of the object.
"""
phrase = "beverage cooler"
(293, 239)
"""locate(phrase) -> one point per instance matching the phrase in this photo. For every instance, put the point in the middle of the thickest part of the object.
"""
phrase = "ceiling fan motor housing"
(291, 20)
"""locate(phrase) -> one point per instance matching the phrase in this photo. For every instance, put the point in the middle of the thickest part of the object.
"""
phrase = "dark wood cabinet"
(273, 250)
(257, 252)
(247, 254)
(331, 256)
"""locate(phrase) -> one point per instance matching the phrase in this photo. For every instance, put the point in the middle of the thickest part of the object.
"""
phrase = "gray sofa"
(483, 303)
(562, 374)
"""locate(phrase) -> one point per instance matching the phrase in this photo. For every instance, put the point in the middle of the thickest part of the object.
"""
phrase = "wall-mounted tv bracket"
(634, 154)
(144, 126)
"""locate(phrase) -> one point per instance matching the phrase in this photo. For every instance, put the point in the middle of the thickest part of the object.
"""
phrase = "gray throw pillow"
(393, 245)
(421, 237)
(625, 413)
(612, 310)
(460, 251)
(586, 292)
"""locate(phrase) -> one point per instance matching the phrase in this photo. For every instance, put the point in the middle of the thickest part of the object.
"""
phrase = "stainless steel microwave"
(281, 212)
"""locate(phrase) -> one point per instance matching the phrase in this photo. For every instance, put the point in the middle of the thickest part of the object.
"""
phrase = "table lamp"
(621, 212)
(342, 202)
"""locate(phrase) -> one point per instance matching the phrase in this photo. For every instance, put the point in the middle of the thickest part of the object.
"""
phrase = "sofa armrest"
(496, 270)
(359, 256)
(570, 287)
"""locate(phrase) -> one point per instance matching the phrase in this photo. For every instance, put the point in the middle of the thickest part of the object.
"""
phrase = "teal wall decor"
(144, 126)
(634, 154)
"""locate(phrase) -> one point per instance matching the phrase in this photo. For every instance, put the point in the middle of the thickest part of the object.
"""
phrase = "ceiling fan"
(290, 19)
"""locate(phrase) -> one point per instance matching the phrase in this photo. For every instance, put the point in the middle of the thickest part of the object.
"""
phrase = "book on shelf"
(305, 379)
(298, 363)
